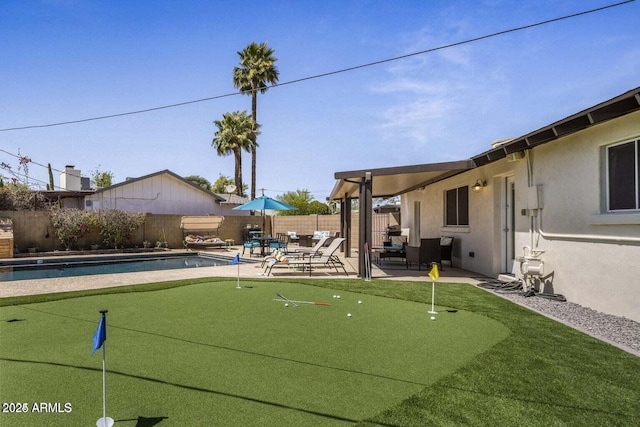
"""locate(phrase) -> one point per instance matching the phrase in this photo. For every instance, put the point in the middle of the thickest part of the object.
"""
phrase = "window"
(623, 175)
(457, 206)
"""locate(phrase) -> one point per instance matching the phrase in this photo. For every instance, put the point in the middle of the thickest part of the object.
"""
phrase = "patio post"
(366, 185)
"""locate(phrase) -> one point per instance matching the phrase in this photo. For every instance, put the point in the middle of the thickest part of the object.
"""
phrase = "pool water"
(73, 267)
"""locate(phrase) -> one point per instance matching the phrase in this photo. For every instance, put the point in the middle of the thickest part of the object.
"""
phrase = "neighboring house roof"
(399, 180)
(163, 172)
(64, 193)
(232, 199)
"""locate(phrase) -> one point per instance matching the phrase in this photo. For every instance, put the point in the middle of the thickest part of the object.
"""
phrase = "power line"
(31, 161)
(331, 73)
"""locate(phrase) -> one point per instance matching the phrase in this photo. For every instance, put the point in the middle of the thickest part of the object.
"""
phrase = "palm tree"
(255, 71)
(235, 133)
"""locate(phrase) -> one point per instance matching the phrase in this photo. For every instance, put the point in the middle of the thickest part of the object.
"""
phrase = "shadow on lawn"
(253, 353)
(188, 387)
(144, 421)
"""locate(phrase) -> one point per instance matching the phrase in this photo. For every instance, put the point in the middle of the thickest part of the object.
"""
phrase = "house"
(162, 192)
(73, 189)
(559, 206)
(230, 201)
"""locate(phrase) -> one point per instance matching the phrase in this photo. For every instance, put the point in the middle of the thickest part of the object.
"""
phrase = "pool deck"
(250, 268)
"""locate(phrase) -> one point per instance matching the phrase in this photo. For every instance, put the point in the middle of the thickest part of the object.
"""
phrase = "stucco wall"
(591, 256)
(590, 265)
(480, 235)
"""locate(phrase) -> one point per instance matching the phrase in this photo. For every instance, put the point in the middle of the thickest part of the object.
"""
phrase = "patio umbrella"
(264, 203)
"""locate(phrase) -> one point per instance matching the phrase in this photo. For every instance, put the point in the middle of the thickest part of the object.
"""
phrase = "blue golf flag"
(236, 260)
(100, 335)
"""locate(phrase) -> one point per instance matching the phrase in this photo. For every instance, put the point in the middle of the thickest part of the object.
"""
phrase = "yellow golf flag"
(434, 273)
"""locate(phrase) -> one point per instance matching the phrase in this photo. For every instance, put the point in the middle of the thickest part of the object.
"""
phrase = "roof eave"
(621, 105)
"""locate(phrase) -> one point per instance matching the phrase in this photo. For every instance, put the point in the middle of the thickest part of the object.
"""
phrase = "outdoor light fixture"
(479, 184)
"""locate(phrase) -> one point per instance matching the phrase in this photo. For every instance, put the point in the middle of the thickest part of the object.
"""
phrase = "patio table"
(264, 242)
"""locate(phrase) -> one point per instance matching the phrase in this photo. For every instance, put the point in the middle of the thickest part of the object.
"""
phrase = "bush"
(69, 224)
(17, 197)
(116, 227)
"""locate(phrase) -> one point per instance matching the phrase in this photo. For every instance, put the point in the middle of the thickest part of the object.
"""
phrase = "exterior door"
(508, 227)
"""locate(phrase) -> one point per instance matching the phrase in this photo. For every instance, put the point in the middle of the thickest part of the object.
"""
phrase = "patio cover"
(393, 181)
(384, 182)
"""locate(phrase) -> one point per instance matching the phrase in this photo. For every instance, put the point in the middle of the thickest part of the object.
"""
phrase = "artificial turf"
(202, 352)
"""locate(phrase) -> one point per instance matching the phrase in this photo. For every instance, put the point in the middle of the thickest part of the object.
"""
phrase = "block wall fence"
(33, 229)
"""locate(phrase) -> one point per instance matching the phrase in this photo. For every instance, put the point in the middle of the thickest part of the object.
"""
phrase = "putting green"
(213, 353)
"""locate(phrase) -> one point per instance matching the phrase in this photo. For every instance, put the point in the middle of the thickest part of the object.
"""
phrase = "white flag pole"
(104, 421)
(238, 286)
(434, 269)
(433, 297)
(367, 263)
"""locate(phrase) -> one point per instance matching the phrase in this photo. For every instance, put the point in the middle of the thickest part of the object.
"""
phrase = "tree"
(221, 184)
(19, 197)
(236, 132)
(255, 71)
(199, 181)
(50, 185)
(102, 178)
(304, 202)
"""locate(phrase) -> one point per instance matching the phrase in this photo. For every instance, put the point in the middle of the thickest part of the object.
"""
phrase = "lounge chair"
(314, 251)
(298, 253)
(328, 259)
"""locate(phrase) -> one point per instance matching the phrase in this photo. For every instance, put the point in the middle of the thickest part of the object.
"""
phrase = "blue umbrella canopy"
(264, 203)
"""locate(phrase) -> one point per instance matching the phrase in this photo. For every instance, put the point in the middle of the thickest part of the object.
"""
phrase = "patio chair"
(394, 248)
(446, 250)
(328, 259)
(426, 253)
(280, 242)
(293, 237)
(250, 244)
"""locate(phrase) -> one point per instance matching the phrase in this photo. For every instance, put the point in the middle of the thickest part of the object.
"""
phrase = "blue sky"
(65, 60)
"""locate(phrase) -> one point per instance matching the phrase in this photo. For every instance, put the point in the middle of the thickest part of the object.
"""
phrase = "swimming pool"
(73, 267)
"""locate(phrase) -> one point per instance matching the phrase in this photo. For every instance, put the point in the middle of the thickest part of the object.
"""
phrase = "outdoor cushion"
(278, 255)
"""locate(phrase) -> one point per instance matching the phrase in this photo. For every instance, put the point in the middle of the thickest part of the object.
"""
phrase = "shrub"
(69, 224)
(116, 226)
(18, 197)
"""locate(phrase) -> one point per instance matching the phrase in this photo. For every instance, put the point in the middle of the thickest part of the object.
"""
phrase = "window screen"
(457, 206)
(623, 176)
